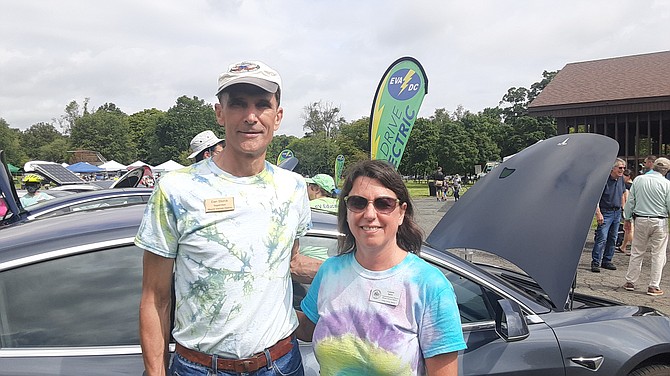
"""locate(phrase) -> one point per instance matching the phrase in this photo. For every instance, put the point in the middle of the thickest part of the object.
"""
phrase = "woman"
(377, 308)
(628, 235)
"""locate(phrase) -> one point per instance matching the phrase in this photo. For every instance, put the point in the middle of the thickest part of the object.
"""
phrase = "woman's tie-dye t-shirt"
(231, 238)
(381, 322)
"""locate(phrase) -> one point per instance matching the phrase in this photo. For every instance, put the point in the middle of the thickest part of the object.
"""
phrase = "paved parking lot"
(606, 284)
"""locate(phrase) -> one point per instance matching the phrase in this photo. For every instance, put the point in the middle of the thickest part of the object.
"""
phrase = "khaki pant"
(652, 234)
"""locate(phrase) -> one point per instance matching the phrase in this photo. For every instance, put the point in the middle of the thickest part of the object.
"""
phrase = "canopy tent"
(137, 164)
(83, 168)
(112, 166)
(168, 166)
(12, 169)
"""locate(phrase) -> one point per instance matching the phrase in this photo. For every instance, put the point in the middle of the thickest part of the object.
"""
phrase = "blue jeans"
(606, 235)
(289, 364)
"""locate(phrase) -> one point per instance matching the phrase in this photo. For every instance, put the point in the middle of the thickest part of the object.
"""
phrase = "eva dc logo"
(404, 84)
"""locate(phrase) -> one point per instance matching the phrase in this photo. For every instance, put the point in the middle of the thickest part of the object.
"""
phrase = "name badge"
(387, 297)
(215, 205)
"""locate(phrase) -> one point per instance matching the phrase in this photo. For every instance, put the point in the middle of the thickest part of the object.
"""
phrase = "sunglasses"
(383, 205)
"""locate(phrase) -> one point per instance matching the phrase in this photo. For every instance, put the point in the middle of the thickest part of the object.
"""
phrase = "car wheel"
(652, 370)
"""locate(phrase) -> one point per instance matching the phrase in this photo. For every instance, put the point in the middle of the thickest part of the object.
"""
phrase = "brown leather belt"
(252, 364)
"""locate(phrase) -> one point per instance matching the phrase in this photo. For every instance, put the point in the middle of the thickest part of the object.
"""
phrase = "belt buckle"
(247, 365)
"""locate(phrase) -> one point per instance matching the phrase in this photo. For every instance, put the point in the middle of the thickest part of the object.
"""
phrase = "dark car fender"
(639, 339)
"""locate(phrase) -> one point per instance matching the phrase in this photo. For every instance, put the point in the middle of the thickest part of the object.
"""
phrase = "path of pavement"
(606, 284)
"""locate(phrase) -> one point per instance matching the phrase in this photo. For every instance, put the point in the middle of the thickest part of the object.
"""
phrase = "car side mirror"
(510, 322)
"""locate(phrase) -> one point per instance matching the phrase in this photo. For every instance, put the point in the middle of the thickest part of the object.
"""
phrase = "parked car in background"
(70, 285)
(72, 198)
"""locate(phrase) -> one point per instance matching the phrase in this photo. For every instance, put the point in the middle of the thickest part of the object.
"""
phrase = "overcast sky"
(141, 54)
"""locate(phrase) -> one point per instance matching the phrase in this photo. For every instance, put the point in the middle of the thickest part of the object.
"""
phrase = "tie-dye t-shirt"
(381, 322)
(232, 279)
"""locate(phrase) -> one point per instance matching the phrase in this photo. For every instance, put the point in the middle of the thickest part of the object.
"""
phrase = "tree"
(72, 113)
(420, 156)
(10, 142)
(188, 117)
(322, 117)
(143, 126)
(43, 142)
(107, 132)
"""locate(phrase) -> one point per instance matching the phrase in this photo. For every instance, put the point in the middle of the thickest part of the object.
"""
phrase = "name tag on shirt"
(387, 297)
(215, 205)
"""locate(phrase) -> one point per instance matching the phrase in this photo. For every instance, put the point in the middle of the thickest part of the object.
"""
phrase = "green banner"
(284, 155)
(339, 167)
(395, 108)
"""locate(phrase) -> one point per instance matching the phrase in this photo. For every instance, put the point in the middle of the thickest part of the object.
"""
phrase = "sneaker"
(654, 291)
(595, 269)
(608, 266)
(629, 286)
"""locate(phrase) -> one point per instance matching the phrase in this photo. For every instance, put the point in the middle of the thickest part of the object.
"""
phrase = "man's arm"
(443, 364)
(303, 268)
(306, 327)
(155, 312)
(599, 216)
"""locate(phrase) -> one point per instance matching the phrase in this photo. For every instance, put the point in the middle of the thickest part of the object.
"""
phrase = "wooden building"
(626, 98)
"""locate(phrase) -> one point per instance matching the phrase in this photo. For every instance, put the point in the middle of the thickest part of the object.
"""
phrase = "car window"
(107, 202)
(89, 299)
(474, 300)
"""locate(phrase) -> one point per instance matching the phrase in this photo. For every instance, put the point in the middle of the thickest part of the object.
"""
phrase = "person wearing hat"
(33, 183)
(320, 189)
(648, 206)
(226, 231)
(205, 144)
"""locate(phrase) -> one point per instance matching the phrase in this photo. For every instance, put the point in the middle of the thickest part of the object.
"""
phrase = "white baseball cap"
(250, 72)
(202, 141)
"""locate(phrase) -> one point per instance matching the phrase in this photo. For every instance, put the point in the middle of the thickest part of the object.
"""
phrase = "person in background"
(608, 217)
(377, 308)
(628, 235)
(205, 144)
(440, 191)
(648, 205)
(320, 189)
(648, 164)
(224, 232)
(33, 183)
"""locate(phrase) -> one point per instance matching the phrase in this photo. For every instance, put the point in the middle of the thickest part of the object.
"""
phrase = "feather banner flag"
(395, 108)
(284, 155)
(339, 167)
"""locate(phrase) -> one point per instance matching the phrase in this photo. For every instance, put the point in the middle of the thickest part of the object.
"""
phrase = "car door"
(72, 312)
(489, 354)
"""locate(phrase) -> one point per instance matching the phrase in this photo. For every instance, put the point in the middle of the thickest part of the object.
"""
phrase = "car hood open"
(535, 209)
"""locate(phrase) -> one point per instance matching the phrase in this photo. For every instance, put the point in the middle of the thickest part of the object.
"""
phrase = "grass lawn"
(417, 189)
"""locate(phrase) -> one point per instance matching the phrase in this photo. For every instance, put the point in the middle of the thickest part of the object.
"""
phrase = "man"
(608, 217)
(648, 205)
(228, 227)
(205, 144)
(33, 183)
(648, 164)
(320, 190)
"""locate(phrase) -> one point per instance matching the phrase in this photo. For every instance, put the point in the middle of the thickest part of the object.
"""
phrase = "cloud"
(146, 54)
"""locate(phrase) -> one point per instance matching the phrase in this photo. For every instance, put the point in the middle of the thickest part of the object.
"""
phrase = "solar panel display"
(59, 174)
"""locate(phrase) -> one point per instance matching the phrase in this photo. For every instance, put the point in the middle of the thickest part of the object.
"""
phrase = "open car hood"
(535, 209)
(10, 206)
(132, 178)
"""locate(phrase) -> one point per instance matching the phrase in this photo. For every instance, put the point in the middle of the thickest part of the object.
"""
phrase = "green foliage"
(10, 142)
(43, 142)
(107, 132)
(174, 131)
(142, 127)
(322, 117)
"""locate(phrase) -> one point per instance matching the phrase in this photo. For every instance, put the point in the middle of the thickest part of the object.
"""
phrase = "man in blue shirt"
(608, 216)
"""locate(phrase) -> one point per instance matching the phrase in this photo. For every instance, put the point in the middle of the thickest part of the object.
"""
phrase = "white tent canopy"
(139, 164)
(112, 166)
(168, 166)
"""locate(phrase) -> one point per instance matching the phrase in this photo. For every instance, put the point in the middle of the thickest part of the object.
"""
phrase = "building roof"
(614, 81)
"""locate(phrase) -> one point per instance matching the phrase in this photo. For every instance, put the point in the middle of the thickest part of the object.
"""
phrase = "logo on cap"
(244, 67)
